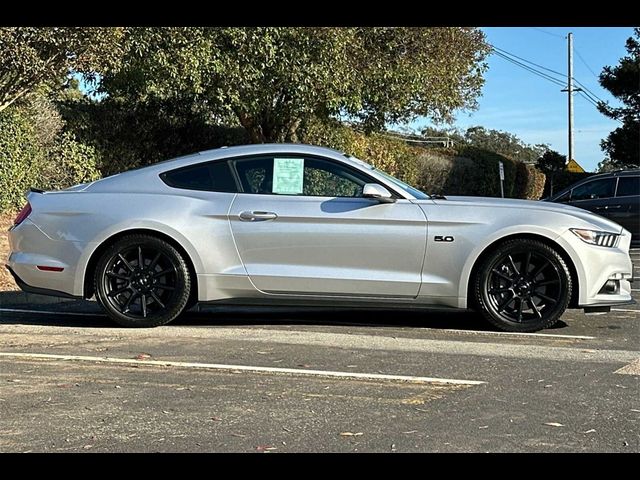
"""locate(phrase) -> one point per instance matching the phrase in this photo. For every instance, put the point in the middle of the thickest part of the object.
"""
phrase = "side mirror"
(377, 192)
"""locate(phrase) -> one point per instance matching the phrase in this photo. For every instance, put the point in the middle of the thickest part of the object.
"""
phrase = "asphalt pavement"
(322, 380)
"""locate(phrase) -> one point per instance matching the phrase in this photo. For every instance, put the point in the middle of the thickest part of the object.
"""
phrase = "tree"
(623, 144)
(504, 143)
(32, 56)
(551, 162)
(273, 80)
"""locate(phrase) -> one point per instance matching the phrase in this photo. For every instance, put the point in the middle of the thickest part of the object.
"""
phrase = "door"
(596, 196)
(628, 199)
(302, 227)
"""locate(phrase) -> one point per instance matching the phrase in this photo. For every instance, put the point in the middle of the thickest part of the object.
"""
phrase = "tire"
(150, 296)
(523, 285)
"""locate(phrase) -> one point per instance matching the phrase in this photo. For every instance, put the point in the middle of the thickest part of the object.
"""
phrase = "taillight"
(24, 213)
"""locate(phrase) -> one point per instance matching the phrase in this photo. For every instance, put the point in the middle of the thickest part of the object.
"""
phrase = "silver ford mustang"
(301, 225)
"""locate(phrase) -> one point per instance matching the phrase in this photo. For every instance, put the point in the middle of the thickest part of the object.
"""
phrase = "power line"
(548, 32)
(583, 86)
(585, 63)
(530, 69)
(563, 75)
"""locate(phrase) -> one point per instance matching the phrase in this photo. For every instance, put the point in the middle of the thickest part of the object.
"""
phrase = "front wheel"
(524, 285)
(142, 281)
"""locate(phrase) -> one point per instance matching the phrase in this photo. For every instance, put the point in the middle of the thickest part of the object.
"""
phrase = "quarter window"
(213, 177)
(628, 186)
(595, 189)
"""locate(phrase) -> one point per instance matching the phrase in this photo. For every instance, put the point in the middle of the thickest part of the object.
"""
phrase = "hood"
(532, 206)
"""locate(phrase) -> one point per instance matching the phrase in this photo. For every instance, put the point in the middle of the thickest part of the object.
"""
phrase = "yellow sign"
(573, 167)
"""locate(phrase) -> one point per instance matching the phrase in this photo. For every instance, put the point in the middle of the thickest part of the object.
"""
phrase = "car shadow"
(21, 308)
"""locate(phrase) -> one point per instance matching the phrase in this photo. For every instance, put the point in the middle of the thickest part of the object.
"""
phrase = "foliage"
(20, 153)
(69, 163)
(623, 144)
(133, 135)
(33, 56)
(35, 152)
(529, 182)
(503, 143)
(551, 163)
(274, 80)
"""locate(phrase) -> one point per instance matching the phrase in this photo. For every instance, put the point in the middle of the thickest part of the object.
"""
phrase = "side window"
(628, 186)
(290, 175)
(564, 198)
(212, 177)
(603, 188)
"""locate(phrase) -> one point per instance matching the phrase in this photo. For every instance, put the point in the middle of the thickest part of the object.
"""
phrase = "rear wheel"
(523, 286)
(142, 281)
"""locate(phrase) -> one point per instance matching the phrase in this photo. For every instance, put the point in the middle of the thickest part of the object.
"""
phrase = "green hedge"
(20, 155)
(455, 171)
(32, 157)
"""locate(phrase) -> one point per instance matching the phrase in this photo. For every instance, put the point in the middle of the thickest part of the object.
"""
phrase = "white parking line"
(482, 332)
(244, 368)
(625, 310)
(48, 312)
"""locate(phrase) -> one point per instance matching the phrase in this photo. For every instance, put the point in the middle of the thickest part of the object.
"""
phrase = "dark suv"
(615, 195)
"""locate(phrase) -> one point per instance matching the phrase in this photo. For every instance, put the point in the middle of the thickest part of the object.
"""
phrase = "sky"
(534, 109)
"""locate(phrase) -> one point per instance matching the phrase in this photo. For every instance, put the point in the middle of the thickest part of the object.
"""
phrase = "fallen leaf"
(635, 410)
(484, 426)
(411, 431)
(303, 365)
(351, 434)
(87, 447)
(216, 419)
(142, 356)
(265, 448)
(590, 431)
(393, 447)
(554, 424)
(548, 386)
(165, 411)
(118, 386)
(238, 435)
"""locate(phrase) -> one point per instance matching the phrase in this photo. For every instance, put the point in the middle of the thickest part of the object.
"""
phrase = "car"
(614, 195)
(293, 224)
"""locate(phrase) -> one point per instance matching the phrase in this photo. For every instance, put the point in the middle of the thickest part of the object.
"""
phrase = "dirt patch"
(6, 281)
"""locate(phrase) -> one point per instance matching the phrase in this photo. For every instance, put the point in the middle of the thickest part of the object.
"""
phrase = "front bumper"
(604, 273)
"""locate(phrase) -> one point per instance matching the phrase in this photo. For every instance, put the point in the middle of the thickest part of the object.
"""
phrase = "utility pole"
(570, 92)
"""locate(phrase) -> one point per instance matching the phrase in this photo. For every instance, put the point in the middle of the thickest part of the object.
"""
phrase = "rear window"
(628, 186)
(212, 177)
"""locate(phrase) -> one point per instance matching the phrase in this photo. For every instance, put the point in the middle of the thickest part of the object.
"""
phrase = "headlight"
(602, 239)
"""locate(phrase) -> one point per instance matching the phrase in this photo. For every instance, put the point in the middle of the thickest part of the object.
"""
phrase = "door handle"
(247, 216)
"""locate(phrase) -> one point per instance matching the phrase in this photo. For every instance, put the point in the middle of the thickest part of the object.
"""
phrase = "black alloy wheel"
(142, 281)
(523, 286)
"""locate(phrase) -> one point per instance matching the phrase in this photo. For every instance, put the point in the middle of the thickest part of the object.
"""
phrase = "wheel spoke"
(520, 310)
(527, 261)
(547, 282)
(545, 297)
(113, 293)
(125, 309)
(539, 271)
(140, 259)
(157, 299)
(513, 265)
(144, 305)
(500, 274)
(498, 290)
(155, 260)
(124, 260)
(164, 272)
(505, 302)
(117, 275)
(164, 287)
(534, 307)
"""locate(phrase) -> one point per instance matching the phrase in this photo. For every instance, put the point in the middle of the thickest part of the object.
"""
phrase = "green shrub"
(69, 163)
(20, 156)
